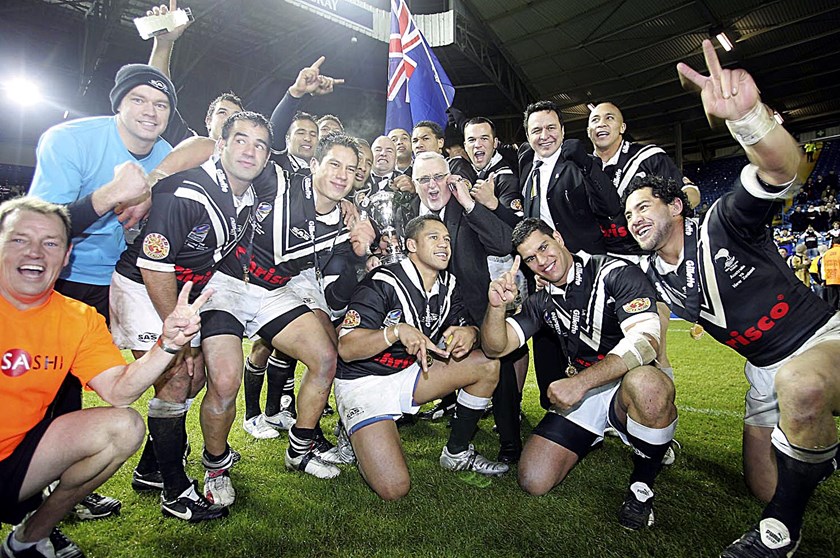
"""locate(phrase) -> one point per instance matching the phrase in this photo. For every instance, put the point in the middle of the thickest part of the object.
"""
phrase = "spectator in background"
(798, 220)
(810, 147)
(811, 239)
(799, 263)
(816, 272)
(831, 272)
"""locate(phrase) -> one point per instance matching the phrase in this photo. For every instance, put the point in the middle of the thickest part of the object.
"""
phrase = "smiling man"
(197, 218)
(398, 317)
(622, 161)
(402, 141)
(299, 231)
(47, 337)
(725, 275)
(603, 311)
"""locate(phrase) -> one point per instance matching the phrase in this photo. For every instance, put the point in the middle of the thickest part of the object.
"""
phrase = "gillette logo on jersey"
(765, 323)
(17, 362)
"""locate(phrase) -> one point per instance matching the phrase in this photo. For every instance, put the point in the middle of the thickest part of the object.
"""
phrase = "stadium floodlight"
(22, 91)
(590, 106)
(724, 41)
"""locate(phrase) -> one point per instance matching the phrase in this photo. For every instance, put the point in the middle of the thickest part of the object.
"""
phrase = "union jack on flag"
(418, 87)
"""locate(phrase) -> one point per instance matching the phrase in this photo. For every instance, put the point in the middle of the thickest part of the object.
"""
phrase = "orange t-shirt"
(39, 348)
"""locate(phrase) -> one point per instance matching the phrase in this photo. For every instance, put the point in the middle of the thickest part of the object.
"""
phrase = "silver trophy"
(387, 215)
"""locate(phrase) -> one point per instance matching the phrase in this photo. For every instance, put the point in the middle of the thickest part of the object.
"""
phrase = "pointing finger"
(689, 78)
(184, 295)
(712, 62)
(338, 81)
(202, 298)
(317, 64)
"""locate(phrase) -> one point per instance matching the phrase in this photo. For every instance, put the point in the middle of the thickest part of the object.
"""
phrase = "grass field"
(701, 502)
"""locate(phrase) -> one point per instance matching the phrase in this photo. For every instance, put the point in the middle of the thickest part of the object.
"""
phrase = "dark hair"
(332, 117)
(37, 205)
(249, 116)
(300, 115)
(432, 125)
(416, 225)
(541, 106)
(526, 227)
(664, 189)
(230, 97)
(331, 140)
(362, 142)
(480, 120)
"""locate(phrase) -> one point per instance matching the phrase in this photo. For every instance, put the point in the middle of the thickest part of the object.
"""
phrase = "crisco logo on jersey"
(184, 274)
(765, 323)
(613, 231)
(17, 362)
(267, 275)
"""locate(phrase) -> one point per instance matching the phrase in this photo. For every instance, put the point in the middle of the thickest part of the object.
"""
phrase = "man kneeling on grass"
(399, 316)
(46, 337)
(603, 310)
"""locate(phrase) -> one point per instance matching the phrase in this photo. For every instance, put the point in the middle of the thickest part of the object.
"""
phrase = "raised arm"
(732, 95)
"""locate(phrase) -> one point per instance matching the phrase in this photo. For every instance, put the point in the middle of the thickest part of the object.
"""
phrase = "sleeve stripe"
(749, 180)
(519, 333)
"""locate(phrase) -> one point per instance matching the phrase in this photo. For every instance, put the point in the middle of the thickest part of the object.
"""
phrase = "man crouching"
(401, 315)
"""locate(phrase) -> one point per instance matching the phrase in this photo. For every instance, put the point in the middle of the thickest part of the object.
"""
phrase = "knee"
(651, 391)
(126, 431)
(488, 370)
(532, 482)
(802, 394)
(394, 490)
(323, 363)
(222, 389)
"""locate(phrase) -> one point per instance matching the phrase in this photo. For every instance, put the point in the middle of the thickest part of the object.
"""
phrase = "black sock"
(506, 400)
(278, 372)
(221, 461)
(148, 462)
(253, 387)
(449, 399)
(647, 460)
(463, 427)
(300, 440)
(796, 482)
(168, 440)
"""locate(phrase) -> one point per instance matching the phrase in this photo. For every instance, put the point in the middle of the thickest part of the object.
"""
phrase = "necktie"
(532, 190)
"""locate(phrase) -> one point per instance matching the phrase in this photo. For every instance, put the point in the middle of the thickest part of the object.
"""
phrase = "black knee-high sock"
(468, 411)
(796, 483)
(506, 401)
(168, 440)
(253, 387)
(279, 370)
(148, 462)
(650, 445)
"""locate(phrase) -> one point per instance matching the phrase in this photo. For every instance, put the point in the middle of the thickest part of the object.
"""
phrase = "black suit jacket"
(577, 202)
(474, 237)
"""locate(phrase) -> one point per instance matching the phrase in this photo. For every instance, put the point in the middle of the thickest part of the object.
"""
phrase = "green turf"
(701, 504)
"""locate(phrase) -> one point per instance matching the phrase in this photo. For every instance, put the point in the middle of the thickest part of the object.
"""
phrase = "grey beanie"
(131, 75)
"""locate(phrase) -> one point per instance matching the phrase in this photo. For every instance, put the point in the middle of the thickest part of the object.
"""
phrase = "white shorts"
(761, 401)
(371, 399)
(592, 413)
(252, 306)
(135, 324)
(305, 286)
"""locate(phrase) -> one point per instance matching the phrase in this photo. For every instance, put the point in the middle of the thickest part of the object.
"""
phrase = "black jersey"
(289, 236)
(195, 221)
(744, 294)
(394, 294)
(587, 313)
(630, 161)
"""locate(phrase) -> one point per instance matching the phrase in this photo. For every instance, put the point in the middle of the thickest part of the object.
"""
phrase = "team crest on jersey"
(637, 305)
(198, 234)
(351, 319)
(393, 318)
(263, 209)
(155, 246)
(516, 205)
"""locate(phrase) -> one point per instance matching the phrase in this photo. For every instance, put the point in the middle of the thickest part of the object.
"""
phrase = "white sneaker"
(471, 460)
(311, 464)
(343, 445)
(259, 428)
(218, 488)
(281, 421)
